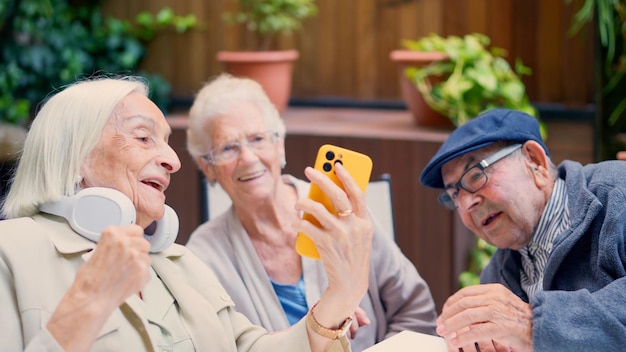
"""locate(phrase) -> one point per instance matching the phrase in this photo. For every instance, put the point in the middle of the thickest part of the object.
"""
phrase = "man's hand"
(486, 318)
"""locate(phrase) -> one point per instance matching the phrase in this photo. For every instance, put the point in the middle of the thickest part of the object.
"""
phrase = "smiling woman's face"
(133, 156)
(253, 175)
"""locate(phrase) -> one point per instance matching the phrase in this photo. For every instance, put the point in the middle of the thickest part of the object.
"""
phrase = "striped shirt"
(554, 221)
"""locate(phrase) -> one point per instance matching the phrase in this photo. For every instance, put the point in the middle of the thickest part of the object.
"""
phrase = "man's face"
(507, 209)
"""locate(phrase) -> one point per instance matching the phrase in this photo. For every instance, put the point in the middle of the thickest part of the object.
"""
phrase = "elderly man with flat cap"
(558, 279)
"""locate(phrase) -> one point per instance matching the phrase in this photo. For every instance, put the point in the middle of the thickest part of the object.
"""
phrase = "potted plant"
(464, 77)
(48, 44)
(267, 19)
(423, 114)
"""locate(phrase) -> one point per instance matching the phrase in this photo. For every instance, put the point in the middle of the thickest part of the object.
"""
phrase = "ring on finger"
(343, 213)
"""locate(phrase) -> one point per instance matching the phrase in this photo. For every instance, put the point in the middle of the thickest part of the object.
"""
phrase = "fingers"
(486, 313)
(349, 198)
(452, 348)
(119, 265)
(355, 196)
(353, 327)
(352, 217)
(343, 242)
(349, 203)
(359, 318)
(461, 308)
(501, 348)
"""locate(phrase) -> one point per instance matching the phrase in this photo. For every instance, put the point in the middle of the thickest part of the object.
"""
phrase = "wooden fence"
(345, 48)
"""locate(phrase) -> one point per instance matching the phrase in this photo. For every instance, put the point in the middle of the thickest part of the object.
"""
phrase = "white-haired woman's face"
(134, 157)
(251, 173)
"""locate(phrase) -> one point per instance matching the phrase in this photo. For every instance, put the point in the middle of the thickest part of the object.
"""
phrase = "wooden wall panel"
(325, 53)
(389, 22)
(478, 16)
(366, 50)
(549, 66)
(345, 48)
(578, 60)
(499, 24)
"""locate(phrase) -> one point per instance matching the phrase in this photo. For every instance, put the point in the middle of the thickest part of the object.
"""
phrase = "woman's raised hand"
(344, 239)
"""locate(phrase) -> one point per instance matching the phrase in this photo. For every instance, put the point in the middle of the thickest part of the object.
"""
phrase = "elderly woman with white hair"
(87, 260)
(236, 136)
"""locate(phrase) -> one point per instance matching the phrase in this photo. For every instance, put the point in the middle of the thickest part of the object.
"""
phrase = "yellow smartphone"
(360, 168)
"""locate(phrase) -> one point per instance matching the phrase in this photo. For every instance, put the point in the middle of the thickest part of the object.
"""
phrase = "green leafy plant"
(269, 18)
(610, 20)
(47, 44)
(474, 78)
(479, 258)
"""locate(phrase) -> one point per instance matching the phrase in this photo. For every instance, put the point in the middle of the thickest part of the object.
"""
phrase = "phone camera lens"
(339, 162)
(330, 155)
(327, 167)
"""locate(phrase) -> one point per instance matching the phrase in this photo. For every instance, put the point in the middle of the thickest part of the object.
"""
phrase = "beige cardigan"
(39, 257)
(398, 298)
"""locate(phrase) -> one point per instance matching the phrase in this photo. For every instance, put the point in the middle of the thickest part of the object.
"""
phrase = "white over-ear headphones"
(93, 209)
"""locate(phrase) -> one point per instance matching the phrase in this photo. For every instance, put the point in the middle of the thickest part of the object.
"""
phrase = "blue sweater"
(583, 305)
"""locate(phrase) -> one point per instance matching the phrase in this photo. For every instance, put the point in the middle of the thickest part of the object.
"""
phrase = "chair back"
(378, 194)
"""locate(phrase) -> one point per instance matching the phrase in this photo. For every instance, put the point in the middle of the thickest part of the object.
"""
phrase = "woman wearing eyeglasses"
(236, 136)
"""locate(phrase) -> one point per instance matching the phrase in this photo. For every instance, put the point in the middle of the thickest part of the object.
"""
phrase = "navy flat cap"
(490, 127)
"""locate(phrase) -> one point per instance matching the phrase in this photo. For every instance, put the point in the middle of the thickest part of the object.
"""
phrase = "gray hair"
(217, 98)
(60, 139)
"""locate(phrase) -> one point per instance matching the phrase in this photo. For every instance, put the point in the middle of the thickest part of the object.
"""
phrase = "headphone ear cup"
(165, 231)
(93, 209)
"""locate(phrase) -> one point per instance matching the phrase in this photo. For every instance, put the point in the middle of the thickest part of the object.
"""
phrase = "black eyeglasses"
(474, 178)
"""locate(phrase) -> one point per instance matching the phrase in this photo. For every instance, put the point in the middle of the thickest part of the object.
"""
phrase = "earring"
(283, 164)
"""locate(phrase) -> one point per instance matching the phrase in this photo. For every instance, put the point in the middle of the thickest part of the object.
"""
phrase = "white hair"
(217, 98)
(60, 139)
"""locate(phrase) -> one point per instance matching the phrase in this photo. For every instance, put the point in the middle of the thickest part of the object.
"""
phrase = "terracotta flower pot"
(422, 113)
(272, 69)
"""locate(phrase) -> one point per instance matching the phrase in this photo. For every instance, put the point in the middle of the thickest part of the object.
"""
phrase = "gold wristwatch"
(332, 334)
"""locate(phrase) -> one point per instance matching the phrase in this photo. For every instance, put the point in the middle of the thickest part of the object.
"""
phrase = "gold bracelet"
(332, 334)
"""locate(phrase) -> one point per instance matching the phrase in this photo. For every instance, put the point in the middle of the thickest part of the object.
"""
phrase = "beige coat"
(39, 257)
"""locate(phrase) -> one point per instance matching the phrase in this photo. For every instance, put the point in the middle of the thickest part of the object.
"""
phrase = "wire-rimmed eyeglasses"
(227, 152)
(474, 178)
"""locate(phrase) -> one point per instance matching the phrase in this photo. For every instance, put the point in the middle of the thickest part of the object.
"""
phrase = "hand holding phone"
(360, 168)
